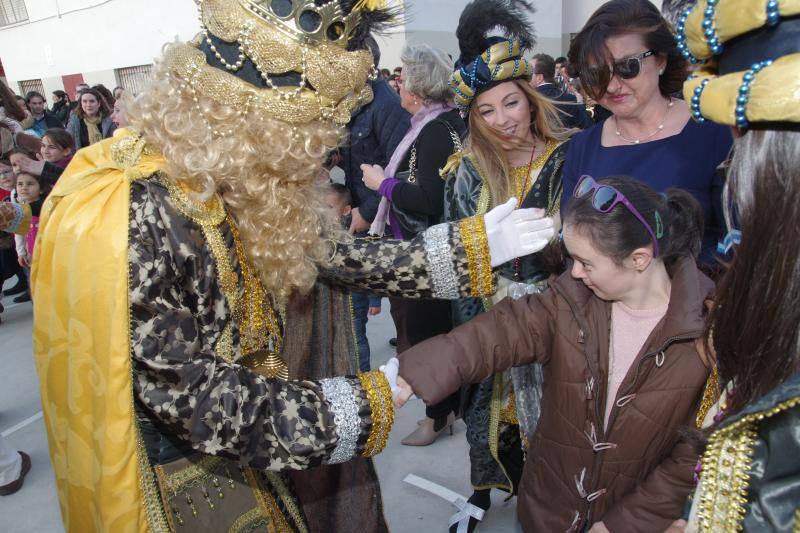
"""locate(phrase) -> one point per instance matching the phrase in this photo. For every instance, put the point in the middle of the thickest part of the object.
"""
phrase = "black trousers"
(9, 266)
(417, 321)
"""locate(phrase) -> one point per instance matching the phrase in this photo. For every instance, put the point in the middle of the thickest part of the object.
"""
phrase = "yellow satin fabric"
(774, 94)
(81, 342)
(732, 18)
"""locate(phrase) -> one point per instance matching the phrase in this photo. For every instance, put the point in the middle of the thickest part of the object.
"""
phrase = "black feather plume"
(481, 16)
(378, 21)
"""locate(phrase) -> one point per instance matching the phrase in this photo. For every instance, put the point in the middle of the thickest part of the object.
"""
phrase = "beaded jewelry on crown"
(744, 91)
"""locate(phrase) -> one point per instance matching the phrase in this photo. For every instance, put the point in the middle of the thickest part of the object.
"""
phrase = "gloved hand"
(516, 233)
(390, 370)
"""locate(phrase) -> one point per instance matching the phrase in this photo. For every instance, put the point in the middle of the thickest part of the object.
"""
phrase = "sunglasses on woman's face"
(606, 197)
(626, 69)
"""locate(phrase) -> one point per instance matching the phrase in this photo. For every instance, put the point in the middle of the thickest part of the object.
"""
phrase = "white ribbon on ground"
(465, 509)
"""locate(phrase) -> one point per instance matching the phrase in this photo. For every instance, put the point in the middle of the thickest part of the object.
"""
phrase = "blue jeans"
(360, 310)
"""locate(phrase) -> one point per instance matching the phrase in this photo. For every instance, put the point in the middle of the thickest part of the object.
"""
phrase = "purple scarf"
(420, 119)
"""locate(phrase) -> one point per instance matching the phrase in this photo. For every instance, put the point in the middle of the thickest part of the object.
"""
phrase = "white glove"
(390, 370)
(516, 233)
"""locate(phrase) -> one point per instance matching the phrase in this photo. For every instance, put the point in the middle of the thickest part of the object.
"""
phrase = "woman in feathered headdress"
(515, 148)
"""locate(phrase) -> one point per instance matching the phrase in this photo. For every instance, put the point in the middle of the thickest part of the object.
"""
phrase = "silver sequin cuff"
(440, 262)
(341, 397)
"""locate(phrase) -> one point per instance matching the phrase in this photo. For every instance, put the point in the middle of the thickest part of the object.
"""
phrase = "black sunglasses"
(627, 69)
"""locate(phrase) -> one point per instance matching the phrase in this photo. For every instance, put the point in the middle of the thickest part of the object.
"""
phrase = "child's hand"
(403, 394)
(23, 261)
(373, 311)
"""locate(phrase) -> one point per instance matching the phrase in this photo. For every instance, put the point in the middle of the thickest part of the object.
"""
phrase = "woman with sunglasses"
(629, 63)
(622, 374)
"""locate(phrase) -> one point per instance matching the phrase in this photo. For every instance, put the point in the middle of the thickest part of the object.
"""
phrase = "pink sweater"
(629, 331)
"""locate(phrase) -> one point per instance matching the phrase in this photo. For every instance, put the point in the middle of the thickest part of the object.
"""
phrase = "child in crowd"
(57, 147)
(29, 191)
(622, 375)
(340, 200)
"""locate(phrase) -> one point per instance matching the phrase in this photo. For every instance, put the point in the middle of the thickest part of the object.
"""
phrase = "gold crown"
(305, 21)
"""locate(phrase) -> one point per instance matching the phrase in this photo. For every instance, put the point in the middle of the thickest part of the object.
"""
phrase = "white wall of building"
(92, 37)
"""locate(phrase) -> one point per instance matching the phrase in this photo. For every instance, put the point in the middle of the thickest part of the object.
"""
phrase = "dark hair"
(618, 233)
(33, 94)
(8, 101)
(118, 87)
(105, 111)
(342, 193)
(61, 137)
(107, 96)
(619, 17)
(61, 94)
(546, 66)
(756, 319)
(560, 60)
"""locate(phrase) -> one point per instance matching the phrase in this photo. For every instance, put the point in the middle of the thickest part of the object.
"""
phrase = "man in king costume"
(192, 311)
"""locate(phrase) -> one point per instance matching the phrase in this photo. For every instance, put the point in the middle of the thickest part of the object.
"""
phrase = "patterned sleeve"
(215, 405)
(447, 261)
(15, 218)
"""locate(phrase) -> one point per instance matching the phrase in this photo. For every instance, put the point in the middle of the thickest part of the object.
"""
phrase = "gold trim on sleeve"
(476, 246)
(381, 403)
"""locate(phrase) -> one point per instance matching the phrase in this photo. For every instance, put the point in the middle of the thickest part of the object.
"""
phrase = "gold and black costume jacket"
(163, 386)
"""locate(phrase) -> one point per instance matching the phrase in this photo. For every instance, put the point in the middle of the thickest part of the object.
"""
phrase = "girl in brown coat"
(622, 375)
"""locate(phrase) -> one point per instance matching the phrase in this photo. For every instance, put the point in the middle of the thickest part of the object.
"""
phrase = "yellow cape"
(81, 340)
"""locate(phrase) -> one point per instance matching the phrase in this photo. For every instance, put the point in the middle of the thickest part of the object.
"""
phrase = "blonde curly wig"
(265, 170)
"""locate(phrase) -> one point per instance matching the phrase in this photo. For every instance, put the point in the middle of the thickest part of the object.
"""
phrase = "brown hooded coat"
(636, 475)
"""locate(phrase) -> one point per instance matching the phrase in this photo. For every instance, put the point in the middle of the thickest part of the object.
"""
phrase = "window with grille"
(12, 12)
(27, 86)
(134, 79)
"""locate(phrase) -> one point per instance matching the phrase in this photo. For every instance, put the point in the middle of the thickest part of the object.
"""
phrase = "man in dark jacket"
(375, 132)
(573, 113)
(43, 118)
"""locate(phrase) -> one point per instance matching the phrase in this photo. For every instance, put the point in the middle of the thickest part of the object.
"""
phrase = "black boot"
(19, 288)
(24, 297)
(479, 498)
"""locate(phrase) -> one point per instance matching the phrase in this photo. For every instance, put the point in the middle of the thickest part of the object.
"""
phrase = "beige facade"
(94, 38)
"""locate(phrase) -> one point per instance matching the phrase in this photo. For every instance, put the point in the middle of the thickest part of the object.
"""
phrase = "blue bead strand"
(773, 12)
(744, 91)
(695, 106)
(680, 37)
(708, 27)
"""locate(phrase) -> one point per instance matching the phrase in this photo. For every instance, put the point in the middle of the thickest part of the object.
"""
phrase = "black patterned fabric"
(503, 469)
(190, 398)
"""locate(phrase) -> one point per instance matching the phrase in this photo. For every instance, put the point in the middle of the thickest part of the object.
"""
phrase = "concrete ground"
(408, 509)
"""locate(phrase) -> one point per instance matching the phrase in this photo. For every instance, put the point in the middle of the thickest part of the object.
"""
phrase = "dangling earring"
(415, 101)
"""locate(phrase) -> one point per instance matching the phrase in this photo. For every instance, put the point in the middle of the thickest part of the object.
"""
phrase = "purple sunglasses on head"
(605, 197)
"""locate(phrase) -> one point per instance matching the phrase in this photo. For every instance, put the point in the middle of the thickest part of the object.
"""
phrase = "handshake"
(401, 391)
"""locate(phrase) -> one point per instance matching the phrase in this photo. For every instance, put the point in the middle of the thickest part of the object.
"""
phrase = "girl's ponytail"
(684, 225)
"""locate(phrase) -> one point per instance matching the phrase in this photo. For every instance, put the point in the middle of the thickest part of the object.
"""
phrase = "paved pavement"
(408, 509)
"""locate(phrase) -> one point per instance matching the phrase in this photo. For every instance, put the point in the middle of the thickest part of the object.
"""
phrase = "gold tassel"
(369, 5)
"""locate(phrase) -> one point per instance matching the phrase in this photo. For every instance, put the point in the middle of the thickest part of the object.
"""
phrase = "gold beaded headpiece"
(291, 59)
(747, 54)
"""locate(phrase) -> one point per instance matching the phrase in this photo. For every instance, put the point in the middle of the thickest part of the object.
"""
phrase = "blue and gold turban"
(487, 61)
